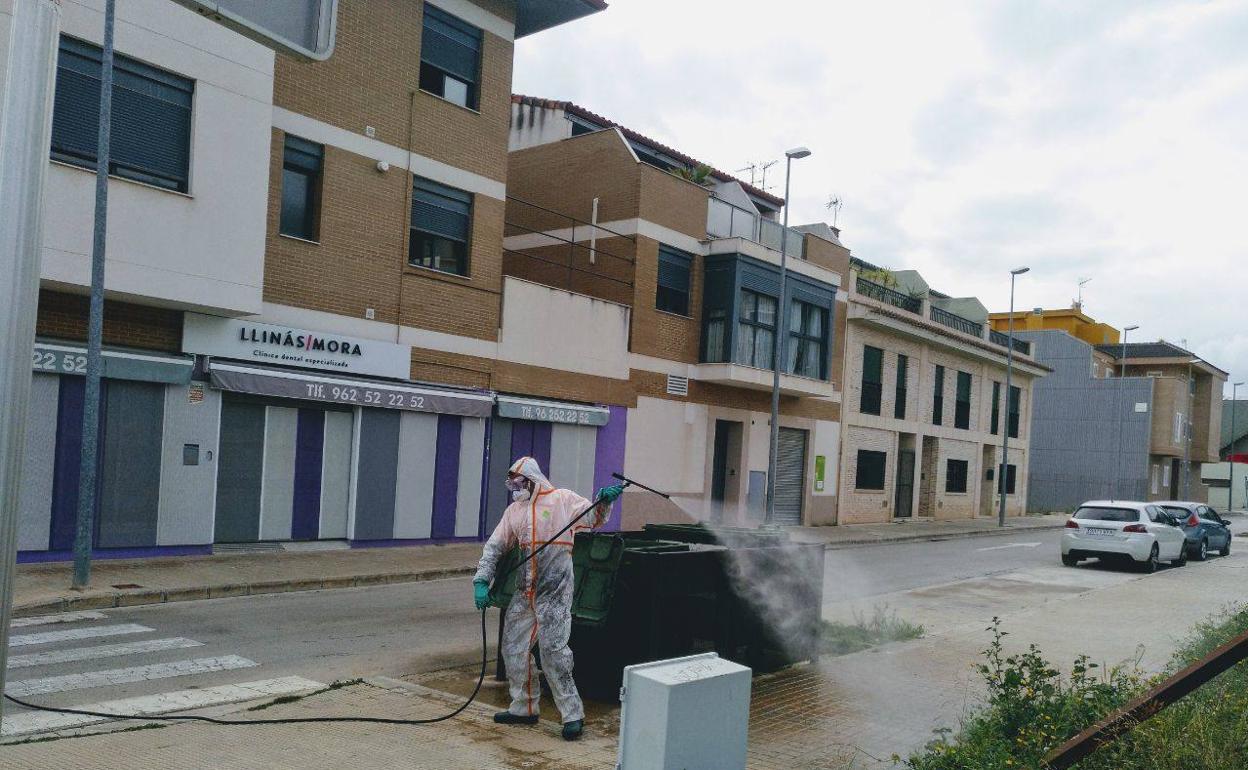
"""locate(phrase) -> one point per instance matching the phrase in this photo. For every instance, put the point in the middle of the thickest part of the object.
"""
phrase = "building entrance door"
(903, 505)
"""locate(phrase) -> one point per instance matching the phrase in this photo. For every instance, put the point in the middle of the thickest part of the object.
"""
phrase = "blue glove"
(610, 494)
(481, 594)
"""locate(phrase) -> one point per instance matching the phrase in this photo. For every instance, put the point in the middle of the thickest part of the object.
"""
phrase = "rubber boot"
(572, 730)
(508, 718)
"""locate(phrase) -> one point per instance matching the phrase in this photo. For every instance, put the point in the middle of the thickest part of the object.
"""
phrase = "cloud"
(1085, 139)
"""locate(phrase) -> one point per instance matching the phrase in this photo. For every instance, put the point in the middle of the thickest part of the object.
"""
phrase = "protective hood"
(528, 467)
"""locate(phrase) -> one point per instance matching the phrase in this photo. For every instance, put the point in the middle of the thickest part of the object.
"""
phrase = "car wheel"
(1202, 553)
(1070, 561)
(1154, 561)
(1226, 549)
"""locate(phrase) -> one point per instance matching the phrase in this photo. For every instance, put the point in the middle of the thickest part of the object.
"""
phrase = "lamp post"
(1121, 418)
(782, 335)
(1009, 371)
(1230, 455)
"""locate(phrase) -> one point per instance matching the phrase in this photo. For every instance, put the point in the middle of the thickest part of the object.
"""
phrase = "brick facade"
(63, 316)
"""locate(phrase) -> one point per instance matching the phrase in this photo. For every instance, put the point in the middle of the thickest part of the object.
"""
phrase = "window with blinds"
(938, 397)
(955, 476)
(151, 120)
(675, 267)
(450, 58)
(872, 380)
(441, 223)
(962, 406)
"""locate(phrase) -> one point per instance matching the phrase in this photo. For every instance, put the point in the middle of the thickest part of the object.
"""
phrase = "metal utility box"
(688, 713)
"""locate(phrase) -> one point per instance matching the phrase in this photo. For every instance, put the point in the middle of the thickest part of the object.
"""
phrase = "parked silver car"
(1113, 529)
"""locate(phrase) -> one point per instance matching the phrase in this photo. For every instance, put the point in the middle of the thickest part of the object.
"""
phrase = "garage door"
(790, 476)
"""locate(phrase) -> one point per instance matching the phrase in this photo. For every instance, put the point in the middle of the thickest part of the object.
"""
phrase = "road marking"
(114, 676)
(1011, 545)
(26, 722)
(53, 657)
(74, 634)
(60, 617)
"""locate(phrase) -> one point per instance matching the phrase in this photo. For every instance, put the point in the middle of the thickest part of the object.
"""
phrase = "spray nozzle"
(629, 482)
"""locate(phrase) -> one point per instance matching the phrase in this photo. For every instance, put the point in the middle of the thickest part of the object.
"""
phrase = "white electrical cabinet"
(687, 713)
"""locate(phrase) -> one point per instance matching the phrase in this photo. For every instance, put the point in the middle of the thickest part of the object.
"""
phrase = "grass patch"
(283, 699)
(865, 633)
(1032, 709)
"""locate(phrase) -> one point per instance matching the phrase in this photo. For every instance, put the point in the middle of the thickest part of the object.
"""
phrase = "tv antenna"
(1082, 282)
(834, 205)
(758, 173)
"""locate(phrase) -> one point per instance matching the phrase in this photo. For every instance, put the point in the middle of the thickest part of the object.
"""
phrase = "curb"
(936, 536)
(139, 597)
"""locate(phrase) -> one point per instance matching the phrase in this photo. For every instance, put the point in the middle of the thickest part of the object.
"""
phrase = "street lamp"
(782, 335)
(1009, 369)
(1230, 455)
(1121, 418)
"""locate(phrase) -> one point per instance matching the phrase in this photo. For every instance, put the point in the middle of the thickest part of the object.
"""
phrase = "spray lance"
(485, 654)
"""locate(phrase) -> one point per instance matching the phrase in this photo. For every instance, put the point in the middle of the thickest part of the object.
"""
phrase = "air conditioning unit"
(688, 713)
(677, 385)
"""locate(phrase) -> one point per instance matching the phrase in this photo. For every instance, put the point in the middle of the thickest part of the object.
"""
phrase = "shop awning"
(552, 411)
(356, 392)
(57, 358)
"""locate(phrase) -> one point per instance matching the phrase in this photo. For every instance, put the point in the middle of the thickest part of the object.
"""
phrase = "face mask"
(518, 488)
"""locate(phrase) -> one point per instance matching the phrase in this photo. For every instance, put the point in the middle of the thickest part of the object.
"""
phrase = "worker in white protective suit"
(540, 611)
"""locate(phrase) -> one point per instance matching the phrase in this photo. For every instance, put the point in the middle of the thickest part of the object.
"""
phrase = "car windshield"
(1107, 514)
(1179, 511)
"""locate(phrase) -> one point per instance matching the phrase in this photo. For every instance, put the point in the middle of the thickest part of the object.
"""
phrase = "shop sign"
(292, 346)
(551, 411)
(820, 467)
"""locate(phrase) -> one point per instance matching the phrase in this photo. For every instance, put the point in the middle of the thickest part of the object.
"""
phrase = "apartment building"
(304, 286)
(1132, 421)
(690, 256)
(927, 405)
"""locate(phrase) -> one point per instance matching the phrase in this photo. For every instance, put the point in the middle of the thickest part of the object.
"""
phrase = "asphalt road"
(397, 630)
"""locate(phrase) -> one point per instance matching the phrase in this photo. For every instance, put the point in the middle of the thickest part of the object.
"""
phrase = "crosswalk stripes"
(88, 676)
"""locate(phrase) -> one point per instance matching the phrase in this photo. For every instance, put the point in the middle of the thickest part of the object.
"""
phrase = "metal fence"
(889, 296)
(1020, 346)
(964, 325)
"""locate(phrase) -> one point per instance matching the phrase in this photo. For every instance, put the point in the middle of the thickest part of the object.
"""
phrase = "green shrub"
(1032, 708)
(864, 633)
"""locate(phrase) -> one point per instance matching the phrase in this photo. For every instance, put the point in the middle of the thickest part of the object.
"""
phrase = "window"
(903, 375)
(1010, 476)
(450, 58)
(955, 475)
(1119, 515)
(1016, 396)
(872, 379)
(938, 400)
(441, 218)
(1165, 475)
(1155, 487)
(996, 407)
(301, 188)
(806, 352)
(151, 124)
(756, 330)
(870, 474)
(672, 295)
(962, 407)
(1178, 427)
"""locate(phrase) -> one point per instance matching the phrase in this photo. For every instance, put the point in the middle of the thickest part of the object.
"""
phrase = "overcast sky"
(1104, 140)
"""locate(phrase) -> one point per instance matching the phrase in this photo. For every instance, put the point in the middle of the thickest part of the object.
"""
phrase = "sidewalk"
(902, 531)
(44, 588)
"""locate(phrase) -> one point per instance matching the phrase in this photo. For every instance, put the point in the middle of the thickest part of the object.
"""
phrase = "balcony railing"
(724, 220)
(964, 325)
(1020, 346)
(889, 296)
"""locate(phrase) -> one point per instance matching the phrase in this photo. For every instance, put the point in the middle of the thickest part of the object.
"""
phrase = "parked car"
(1205, 530)
(1141, 533)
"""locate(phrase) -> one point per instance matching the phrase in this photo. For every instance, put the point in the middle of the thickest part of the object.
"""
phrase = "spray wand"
(485, 654)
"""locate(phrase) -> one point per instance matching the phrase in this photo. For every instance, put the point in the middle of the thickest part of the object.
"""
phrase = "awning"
(338, 390)
(55, 358)
(552, 411)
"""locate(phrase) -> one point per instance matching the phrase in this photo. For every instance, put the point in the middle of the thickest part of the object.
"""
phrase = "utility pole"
(95, 319)
(25, 135)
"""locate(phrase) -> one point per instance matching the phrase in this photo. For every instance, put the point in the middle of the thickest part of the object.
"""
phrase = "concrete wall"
(200, 250)
(1077, 448)
(562, 330)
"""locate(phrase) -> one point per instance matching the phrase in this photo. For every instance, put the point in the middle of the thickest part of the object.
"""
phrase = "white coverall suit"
(541, 609)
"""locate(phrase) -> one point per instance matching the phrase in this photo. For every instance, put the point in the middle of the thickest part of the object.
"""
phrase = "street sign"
(301, 28)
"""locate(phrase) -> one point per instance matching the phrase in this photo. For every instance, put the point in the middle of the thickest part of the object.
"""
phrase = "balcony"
(1020, 346)
(882, 293)
(724, 220)
(752, 378)
(957, 322)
